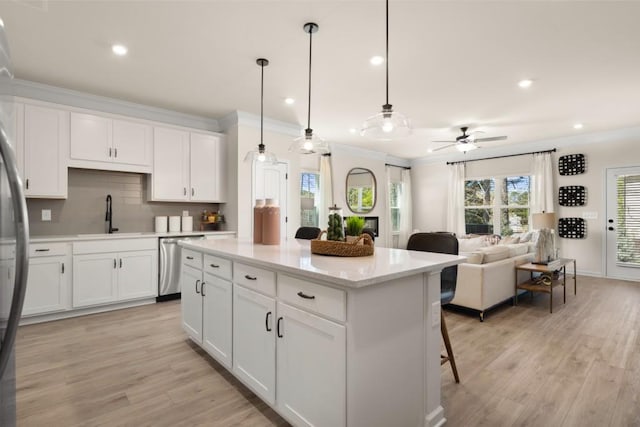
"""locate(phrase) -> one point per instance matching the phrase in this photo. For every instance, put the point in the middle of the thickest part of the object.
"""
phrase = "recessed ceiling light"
(525, 83)
(578, 126)
(376, 60)
(429, 150)
(289, 101)
(119, 49)
(353, 130)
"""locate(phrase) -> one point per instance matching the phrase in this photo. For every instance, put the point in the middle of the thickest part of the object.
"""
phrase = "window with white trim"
(497, 209)
(395, 193)
(309, 196)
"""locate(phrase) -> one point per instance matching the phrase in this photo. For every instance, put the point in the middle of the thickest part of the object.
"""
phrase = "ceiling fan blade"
(493, 138)
(442, 148)
(445, 142)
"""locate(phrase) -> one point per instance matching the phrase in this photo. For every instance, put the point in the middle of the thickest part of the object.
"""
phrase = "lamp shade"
(544, 220)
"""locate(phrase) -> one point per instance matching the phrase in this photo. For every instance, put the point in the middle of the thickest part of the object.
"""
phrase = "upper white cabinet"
(42, 140)
(187, 166)
(101, 142)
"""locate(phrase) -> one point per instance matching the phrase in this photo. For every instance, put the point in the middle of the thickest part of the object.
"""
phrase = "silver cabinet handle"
(21, 225)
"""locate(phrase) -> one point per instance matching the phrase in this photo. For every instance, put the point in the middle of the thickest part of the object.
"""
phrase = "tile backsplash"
(84, 209)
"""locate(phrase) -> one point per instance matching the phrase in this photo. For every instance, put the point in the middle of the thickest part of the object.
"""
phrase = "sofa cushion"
(494, 253)
(472, 244)
(508, 240)
(475, 257)
(518, 249)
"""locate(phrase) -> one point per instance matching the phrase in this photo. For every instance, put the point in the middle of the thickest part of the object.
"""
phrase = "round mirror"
(361, 190)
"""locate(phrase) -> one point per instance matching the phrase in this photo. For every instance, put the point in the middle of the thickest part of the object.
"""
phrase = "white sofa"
(487, 279)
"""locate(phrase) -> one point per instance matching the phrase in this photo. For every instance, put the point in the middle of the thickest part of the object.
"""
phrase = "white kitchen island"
(325, 341)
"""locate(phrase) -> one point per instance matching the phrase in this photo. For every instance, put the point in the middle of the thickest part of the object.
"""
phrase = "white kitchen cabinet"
(191, 302)
(206, 311)
(188, 166)
(114, 270)
(311, 368)
(42, 139)
(170, 176)
(216, 318)
(49, 280)
(102, 142)
(254, 344)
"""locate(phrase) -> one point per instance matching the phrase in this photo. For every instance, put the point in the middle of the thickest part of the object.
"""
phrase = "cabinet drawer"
(255, 278)
(217, 266)
(47, 249)
(320, 299)
(192, 258)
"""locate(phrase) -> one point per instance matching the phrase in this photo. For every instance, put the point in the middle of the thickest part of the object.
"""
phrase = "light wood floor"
(579, 366)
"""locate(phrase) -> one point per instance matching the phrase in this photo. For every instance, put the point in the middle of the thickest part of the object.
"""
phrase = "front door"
(270, 182)
(623, 223)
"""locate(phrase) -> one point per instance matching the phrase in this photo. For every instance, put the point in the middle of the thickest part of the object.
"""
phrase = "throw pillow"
(494, 253)
(509, 240)
(470, 245)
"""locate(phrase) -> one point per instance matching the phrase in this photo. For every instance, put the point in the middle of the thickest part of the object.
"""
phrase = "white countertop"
(295, 257)
(101, 236)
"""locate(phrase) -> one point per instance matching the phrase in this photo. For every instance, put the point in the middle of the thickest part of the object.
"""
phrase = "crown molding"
(242, 118)
(541, 145)
(73, 98)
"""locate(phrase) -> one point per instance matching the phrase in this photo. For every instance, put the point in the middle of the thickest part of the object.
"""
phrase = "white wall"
(602, 151)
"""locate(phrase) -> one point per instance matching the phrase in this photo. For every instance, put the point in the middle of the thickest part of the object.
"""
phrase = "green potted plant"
(355, 225)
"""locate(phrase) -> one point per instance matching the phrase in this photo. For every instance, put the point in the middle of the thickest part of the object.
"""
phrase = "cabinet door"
(137, 274)
(170, 177)
(90, 138)
(191, 302)
(46, 133)
(254, 346)
(204, 164)
(216, 318)
(132, 143)
(94, 279)
(311, 369)
(47, 285)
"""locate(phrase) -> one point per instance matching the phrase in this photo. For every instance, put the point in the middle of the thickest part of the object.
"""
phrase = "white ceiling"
(451, 63)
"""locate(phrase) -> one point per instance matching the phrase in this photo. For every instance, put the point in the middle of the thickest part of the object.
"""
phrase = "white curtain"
(542, 193)
(326, 192)
(406, 207)
(455, 203)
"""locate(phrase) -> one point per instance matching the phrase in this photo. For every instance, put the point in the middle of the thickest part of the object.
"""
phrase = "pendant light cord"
(309, 105)
(387, 53)
(261, 101)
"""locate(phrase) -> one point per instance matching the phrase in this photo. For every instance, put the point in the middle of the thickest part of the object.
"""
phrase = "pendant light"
(309, 143)
(387, 124)
(261, 154)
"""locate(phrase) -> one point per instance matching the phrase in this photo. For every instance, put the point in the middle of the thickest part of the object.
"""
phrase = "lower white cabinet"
(254, 344)
(49, 279)
(206, 312)
(102, 275)
(311, 368)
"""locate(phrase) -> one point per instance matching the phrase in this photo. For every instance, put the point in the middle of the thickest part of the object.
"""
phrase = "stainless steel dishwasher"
(169, 271)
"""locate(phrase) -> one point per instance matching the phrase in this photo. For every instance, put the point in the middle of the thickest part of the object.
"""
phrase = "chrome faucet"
(109, 216)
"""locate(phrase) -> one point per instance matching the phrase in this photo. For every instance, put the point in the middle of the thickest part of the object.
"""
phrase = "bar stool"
(307, 233)
(444, 243)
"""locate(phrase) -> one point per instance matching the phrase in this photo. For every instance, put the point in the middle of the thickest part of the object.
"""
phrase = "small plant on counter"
(334, 231)
(355, 225)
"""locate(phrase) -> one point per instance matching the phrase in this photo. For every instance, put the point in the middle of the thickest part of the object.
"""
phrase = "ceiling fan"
(467, 141)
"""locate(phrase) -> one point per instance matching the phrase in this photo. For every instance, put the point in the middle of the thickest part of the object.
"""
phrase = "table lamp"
(545, 246)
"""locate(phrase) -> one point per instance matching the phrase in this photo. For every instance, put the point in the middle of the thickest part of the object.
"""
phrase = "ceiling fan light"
(466, 146)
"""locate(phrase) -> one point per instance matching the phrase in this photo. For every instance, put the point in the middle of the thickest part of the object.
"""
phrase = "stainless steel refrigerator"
(14, 241)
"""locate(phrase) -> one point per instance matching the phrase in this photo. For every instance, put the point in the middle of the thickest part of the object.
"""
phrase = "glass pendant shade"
(386, 125)
(261, 154)
(309, 144)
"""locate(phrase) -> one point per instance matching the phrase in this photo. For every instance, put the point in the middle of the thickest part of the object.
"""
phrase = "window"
(502, 209)
(395, 193)
(628, 229)
(309, 195)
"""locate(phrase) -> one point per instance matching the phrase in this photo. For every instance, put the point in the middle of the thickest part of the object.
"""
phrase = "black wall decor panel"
(571, 164)
(572, 195)
(572, 228)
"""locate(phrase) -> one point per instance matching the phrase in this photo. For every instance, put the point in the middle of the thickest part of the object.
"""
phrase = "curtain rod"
(502, 157)
(396, 166)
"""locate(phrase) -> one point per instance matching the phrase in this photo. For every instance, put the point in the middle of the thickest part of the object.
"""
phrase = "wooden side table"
(534, 284)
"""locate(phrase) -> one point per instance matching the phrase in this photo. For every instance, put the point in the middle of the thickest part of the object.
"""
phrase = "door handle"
(120, 262)
(189, 257)
(202, 289)
(184, 189)
(305, 296)
(278, 328)
(193, 191)
(115, 150)
(197, 291)
(214, 265)
(266, 322)
(27, 183)
(63, 268)
(246, 276)
(115, 263)
(611, 228)
(42, 250)
(109, 151)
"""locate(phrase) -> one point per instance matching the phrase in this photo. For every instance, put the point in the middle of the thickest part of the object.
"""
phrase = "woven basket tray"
(334, 248)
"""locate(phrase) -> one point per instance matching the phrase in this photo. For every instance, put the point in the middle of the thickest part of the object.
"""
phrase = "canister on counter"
(271, 223)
